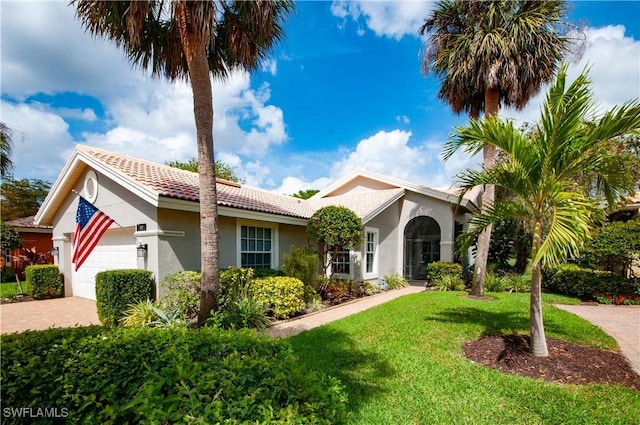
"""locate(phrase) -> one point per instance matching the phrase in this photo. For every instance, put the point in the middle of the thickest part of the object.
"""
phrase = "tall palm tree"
(6, 148)
(540, 170)
(191, 40)
(488, 53)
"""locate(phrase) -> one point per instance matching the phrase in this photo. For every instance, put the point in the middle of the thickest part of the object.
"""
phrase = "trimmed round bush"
(437, 269)
(283, 295)
(117, 290)
(152, 376)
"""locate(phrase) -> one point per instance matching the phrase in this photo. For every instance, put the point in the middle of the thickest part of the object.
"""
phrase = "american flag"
(91, 223)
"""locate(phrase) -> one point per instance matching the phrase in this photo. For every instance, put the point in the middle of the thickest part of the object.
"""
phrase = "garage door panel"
(109, 254)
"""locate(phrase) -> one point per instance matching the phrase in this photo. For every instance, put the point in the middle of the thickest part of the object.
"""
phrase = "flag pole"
(116, 223)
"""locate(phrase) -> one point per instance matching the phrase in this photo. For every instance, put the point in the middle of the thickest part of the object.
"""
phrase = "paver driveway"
(44, 314)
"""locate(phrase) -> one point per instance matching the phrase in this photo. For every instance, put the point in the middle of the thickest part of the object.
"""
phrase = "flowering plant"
(619, 299)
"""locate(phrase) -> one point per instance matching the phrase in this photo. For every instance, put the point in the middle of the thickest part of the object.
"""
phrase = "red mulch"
(567, 363)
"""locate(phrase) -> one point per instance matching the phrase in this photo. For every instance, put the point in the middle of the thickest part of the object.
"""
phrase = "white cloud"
(41, 140)
(403, 119)
(392, 19)
(45, 50)
(613, 61)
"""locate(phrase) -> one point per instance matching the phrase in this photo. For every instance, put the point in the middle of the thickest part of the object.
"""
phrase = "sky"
(344, 89)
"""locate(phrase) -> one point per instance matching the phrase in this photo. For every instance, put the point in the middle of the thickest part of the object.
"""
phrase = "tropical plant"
(180, 40)
(449, 282)
(140, 314)
(305, 194)
(395, 281)
(244, 313)
(6, 148)
(490, 52)
(539, 170)
(334, 228)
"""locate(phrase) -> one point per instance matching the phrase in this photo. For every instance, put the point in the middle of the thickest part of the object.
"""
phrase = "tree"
(539, 171)
(222, 170)
(22, 198)
(305, 194)
(490, 52)
(9, 238)
(615, 247)
(6, 148)
(334, 229)
(192, 40)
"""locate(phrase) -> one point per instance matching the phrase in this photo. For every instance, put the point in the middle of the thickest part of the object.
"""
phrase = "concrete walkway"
(294, 326)
(621, 322)
(45, 314)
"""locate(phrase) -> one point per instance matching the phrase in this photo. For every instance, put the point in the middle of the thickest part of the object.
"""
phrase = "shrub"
(44, 281)
(245, 313)
(283, 295)
(395, 281)
(151, 376)
(614, 247)
(234, 284)
(495, 283)
(570, 279)
(339, 291)
(8, 274)
(116, 290)
(438, 269)
(449, 282)
(518, 283)
(315, 304)
(303, 264)
(372, 288)
(139, 314)
(182, 291)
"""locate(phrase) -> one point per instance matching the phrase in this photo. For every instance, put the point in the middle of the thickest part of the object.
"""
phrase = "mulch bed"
(567, 363)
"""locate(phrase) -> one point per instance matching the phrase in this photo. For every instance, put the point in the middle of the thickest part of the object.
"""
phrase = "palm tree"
(540, 170)
(6, 148)
(488, 53)
(191, 40)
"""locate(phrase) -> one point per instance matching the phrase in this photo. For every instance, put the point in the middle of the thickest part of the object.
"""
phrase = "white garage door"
(116, 250)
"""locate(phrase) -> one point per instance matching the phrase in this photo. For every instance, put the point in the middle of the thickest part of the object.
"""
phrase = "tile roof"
(27, 223)
(170, 182)
(361, 203)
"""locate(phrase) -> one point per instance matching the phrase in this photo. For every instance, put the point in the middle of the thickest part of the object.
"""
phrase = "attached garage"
(116, 250)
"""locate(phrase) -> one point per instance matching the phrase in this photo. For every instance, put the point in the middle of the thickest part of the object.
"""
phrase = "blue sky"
(344, 89)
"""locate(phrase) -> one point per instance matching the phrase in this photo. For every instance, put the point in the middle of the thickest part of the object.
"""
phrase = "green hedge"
(437, 269)
(116, 290)
(152, 376)
(570, 279)
(44, 281)
(284, 295)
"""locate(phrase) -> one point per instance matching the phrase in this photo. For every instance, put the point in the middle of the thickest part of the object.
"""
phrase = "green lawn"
(402, 363)
(10, 289)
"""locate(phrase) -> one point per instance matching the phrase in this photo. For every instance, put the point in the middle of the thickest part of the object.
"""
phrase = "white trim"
(275, 236)
(168, 233)
(61, 239)
(376, 243)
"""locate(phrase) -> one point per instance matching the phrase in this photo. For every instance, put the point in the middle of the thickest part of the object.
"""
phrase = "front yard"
(402, 363)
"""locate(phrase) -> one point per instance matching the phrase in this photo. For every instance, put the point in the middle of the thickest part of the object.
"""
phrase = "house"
(34, 237)
(629, 210)
(157, 214)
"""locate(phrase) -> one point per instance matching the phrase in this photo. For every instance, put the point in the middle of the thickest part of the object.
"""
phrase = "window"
(255, 247)
(371, 251)
(8, 257)
(342, 263)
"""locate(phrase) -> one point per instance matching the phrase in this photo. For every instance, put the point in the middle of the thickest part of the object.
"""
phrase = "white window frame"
(274, 240)
(365, 251)
(340, 275)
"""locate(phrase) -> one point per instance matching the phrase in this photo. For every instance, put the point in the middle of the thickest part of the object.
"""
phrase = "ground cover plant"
(403, 363)
(150, 376)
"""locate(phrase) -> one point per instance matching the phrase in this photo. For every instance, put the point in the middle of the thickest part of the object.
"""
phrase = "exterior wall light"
(142, 250)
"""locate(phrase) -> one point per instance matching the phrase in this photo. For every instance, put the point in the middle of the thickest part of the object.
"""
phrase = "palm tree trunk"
(538, 340)
(203, 111)
(492, 103)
